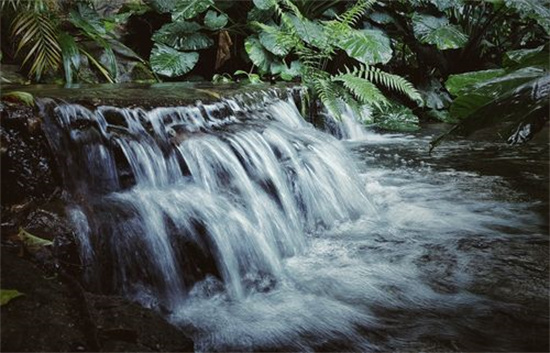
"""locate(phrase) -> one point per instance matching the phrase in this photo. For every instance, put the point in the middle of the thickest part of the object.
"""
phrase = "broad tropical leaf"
(368, 46)
(71, 55)
(528, 57)
(522, 110)
(215, 21)
(461, 83)
(273, 39)
(258, 54)
(186, 9)
(171, 33)
(287, 73)
(538, 10)
(182, 35)
(487, 91)
(265, 4)
(163, 6)
(170, 62)
(438, 31)
(310, 32)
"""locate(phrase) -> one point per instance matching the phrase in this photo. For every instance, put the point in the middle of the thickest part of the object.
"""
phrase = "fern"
(393, 82)
(327, 93)
(354, 14)
(364, 90)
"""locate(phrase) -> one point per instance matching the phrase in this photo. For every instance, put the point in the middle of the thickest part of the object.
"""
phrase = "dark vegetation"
(406, 60)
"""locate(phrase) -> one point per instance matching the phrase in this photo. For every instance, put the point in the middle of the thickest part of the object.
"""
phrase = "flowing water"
(251, 230)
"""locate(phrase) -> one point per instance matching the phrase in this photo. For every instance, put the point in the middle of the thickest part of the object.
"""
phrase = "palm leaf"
(37, 37)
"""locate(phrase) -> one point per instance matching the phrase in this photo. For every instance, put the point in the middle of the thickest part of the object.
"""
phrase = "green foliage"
(170, 62)
(178, 43)
(538, 10)
(46, 38)
(315, 43)
(187, 9)
(215, 21)
(37, 39)
(438, 31)
(368, 46)
(265, 4)
(396, 117)
(71, 55)
(462, 83)
(6, 295)
(477, 94)
(18, 96)
(364, 90)
(257, 53)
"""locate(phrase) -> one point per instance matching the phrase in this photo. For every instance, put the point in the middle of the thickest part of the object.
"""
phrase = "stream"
(253, 231)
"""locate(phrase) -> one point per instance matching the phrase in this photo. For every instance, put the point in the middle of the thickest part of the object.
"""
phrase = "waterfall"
(165, 197)
(349, 126)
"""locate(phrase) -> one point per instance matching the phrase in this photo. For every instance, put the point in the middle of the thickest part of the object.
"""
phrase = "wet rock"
(45, 318)
(125, 326)
(50, 317)
(28, 170)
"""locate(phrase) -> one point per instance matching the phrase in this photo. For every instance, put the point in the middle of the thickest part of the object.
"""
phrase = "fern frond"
(36, 34)
(326, 90)
(354, 14)
(390, 81)
(364, 90)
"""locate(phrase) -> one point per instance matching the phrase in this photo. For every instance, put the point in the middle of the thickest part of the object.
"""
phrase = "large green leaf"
(271, 38)
(538, 10)
(528, 57)
(182, 35)
(438, 31)
(265, 4)
(369, 46)
(309, 31)
(484, 92)
(186, 9)
(195, 41)
(287, 73)
(461, 83)
(215, 21)
(258, 54)
(163, 6)
(169, 62)
(518, 114)
(70, 55)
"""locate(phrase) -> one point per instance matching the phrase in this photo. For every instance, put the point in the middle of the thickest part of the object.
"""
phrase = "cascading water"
(252, 231)
(168, 196)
